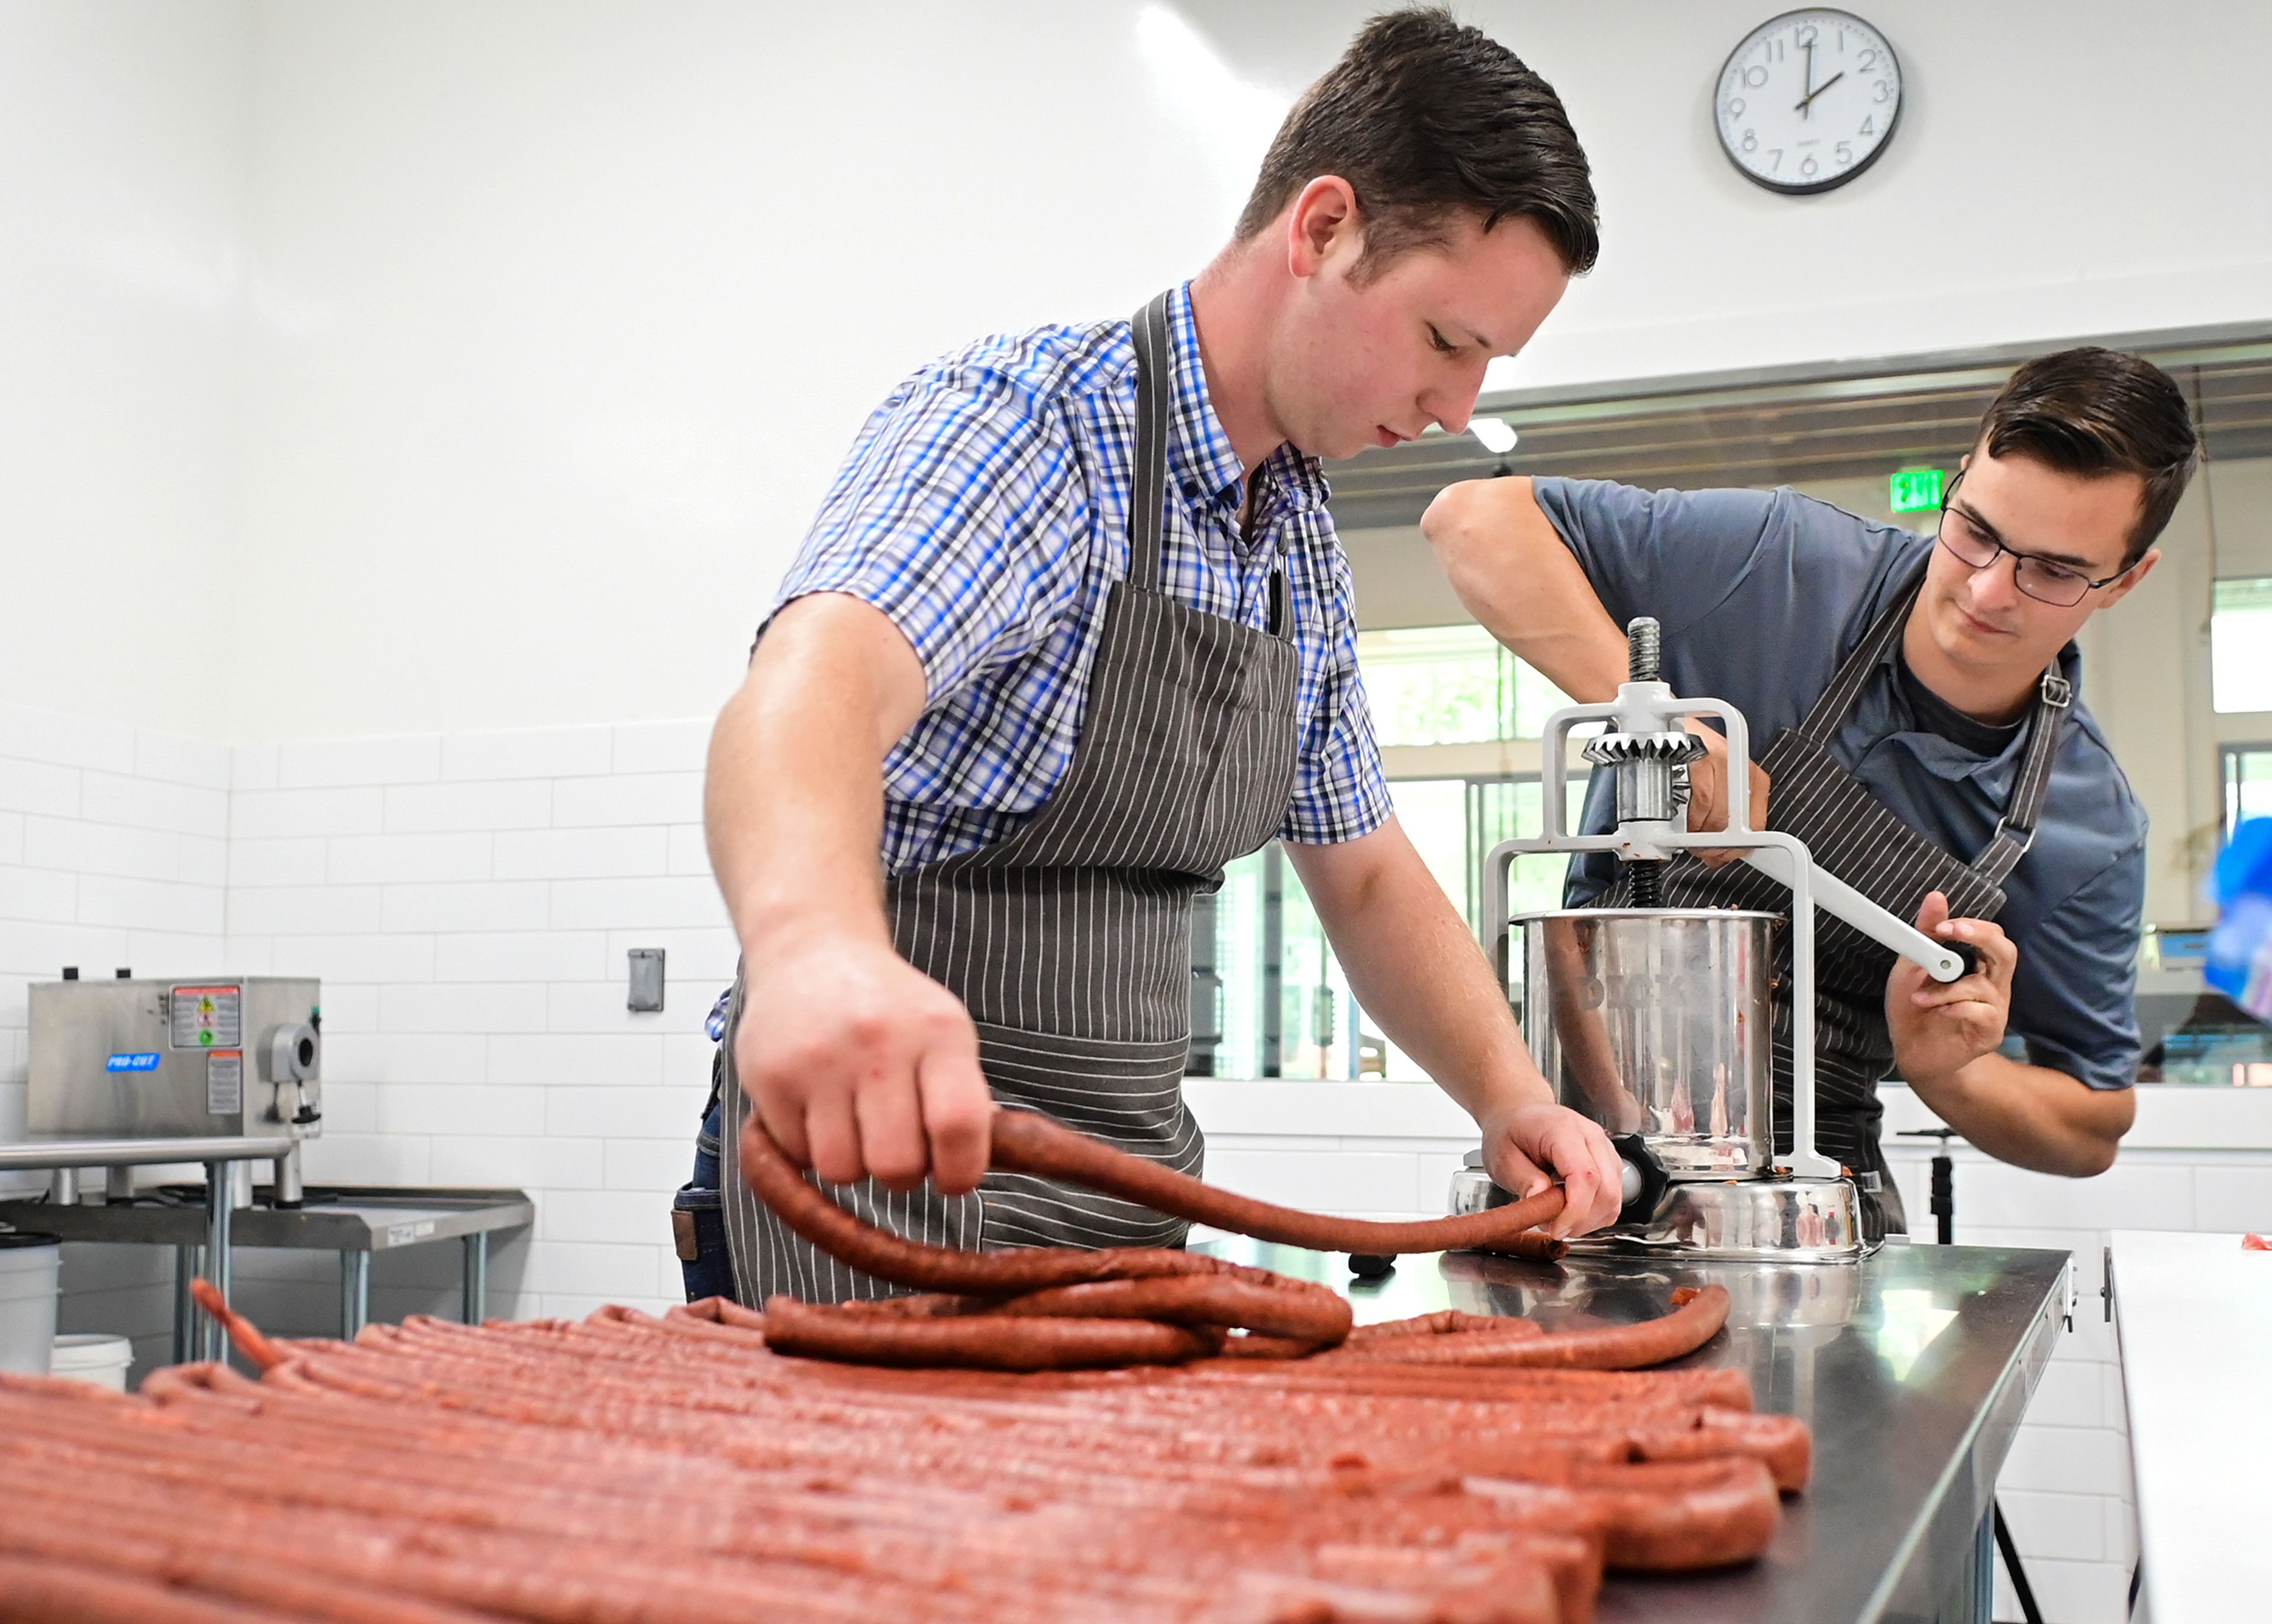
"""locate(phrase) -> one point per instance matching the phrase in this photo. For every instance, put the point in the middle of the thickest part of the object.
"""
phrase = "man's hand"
(860, 1065)
(1708, 793)
(1528, 1145)
(1941, 1027)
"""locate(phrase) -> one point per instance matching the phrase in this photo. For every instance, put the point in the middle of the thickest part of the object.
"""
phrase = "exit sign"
(1914, 490)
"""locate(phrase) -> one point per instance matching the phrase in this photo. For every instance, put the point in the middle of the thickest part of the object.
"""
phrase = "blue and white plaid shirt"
(984, 508)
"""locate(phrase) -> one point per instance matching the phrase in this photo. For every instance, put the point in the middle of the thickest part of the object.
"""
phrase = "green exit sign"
(1914, 490)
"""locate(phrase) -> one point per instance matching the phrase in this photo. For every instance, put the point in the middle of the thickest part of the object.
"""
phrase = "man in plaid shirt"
(941, 645)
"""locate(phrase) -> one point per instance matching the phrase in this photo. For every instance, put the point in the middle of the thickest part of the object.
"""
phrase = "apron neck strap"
(1837, 701)
(2015, 831)
(1148, 493)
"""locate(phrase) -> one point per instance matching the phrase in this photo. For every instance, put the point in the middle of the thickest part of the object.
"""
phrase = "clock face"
(1808, 101)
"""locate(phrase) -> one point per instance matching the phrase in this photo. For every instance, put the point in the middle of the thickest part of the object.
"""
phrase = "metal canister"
(1656, 1021)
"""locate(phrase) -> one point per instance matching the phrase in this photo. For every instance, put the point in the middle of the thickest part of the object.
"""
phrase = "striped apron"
(1850, 833)
(1069, 941)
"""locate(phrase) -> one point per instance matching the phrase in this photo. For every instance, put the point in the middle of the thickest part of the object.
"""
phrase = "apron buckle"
(2059, 693)
(2024, 838)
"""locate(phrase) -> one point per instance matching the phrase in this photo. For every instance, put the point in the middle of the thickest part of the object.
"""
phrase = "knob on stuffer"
(1646, 1180)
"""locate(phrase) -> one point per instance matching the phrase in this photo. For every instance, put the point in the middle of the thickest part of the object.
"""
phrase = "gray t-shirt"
(1761, 594)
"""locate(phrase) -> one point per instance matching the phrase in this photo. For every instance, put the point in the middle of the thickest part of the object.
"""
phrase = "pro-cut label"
(207, 1017)
(146, 1061)
(225, 1083)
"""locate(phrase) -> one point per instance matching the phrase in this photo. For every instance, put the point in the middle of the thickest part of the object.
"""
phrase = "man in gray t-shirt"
(1763, 596)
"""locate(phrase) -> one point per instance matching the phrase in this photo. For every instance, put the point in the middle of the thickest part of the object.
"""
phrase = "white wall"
(124, 159)
(2061, 169)
(577, 306)
(565, 313)
(468, 902)
(481, 366)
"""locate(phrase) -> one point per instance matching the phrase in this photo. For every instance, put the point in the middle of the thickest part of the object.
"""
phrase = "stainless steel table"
(1913, 1367)
(209, 1250)
(351, 1220)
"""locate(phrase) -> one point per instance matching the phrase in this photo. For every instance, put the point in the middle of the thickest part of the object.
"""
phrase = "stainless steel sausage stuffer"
(1655, 1022)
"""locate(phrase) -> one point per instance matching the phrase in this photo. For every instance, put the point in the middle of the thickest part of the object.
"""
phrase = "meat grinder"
(149, 1057)
(1656, 1022)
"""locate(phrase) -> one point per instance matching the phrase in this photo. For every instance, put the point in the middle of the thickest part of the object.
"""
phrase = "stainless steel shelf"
(351, 1220)
(335, 1218)
(32, 1154)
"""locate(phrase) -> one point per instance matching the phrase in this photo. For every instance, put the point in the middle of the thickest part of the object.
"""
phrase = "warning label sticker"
(206, 1018)
(225, 1082)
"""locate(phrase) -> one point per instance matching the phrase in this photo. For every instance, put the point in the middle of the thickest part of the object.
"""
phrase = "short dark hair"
(2093, 412)
(1426, 118)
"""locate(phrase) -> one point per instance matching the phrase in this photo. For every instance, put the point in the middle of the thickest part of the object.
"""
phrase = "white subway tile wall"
(113, 855)
(468, 902)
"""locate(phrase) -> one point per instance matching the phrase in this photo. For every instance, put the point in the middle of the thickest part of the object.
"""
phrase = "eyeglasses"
(2039, 578)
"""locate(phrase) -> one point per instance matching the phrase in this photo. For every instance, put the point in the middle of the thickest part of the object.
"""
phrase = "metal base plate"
(1785, 1220)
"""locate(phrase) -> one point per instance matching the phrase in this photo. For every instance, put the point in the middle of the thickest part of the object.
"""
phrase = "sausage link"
(1251, 1300)
(811, 1214)
(1025, 1142)
(1696, 1319)
(981, 1342)
(242, 1332)
(36, 1592)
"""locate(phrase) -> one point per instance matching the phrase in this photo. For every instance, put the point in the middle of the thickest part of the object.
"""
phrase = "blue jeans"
(709, 1272)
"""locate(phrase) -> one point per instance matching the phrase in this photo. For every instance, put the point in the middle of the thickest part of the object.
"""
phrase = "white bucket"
(94, 1356)
(28, 1268)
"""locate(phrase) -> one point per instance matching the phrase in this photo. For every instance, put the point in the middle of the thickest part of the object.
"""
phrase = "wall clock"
(1808, 101)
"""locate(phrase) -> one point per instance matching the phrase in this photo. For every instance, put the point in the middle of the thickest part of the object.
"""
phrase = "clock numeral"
(1808, 166)
(1753, 77)
(1869, 126)
(1772, 50)
(1736, 107)
(1806, 36)
(1750, 140)
(1884, 91)
(1774, 158)
(1869, 57)
(1845, 153)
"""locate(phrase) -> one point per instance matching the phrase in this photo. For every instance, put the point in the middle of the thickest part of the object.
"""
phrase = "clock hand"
(1806, 103)
(1818, 90)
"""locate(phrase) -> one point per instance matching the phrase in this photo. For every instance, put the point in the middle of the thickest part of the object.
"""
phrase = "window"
(1451, 685)
(1269, 997)
(2240, 650)
(2247, 783)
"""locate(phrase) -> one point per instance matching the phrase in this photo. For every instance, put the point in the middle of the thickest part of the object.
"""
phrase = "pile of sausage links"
(1143, 1435)
(628, 1468)
(1043, 1309)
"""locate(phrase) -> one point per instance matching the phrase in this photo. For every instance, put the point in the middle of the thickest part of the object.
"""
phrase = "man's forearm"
(2031, 1116)
(1416, 971)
